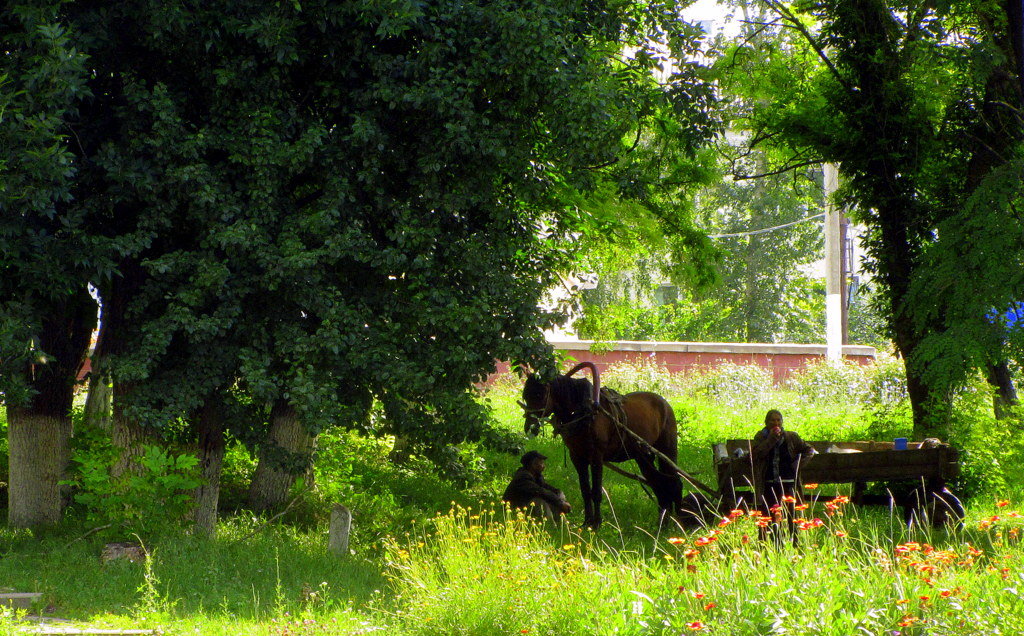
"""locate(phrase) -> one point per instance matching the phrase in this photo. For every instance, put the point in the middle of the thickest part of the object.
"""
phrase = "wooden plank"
(853, 467)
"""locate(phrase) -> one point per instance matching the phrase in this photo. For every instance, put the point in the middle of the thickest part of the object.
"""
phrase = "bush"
(734, 384)
(157, 496)
(887, 381)
(830, 382)
(642, 375)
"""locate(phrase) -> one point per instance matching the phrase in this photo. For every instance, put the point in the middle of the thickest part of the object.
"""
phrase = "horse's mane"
(573, 398)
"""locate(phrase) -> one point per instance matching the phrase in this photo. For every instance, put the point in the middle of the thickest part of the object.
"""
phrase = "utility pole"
(834, 262)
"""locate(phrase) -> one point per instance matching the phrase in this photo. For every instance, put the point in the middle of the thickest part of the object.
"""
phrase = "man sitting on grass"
(529, 490)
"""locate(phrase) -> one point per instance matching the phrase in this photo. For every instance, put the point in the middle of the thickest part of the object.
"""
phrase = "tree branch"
(798, 26)
(802, 164)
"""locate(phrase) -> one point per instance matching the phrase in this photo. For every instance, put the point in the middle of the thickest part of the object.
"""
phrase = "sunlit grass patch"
(495, 572)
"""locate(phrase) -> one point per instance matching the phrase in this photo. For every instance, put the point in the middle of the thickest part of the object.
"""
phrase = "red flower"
(1003, 503)
(675, 540)
(709, 606)
(736, 513)
(695, 626)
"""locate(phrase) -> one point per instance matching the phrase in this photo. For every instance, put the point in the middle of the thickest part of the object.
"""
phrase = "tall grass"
(472, 573)
(430, 557)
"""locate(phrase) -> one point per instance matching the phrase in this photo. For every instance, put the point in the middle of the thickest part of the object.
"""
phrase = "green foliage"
(825, 382)
(991, 460)
(926, 130)
(153, 498)
(887, 382)
(641, 375)
(734, 384)
(326, 204)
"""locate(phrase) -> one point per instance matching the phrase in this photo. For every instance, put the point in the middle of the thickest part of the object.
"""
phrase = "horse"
(640, 426)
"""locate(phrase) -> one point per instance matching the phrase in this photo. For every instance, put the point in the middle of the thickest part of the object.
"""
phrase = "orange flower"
(841, 534)
(924, 598)
(691, 553)
(703, 541)
(1003, 503)
(736, 513)
(810, 486)
(788, 499)
(695, 626)
(841, 499)
(946, 593)
(802, 506)
(676, 540)
(903, 601)
(709, 606)
(907, 621)
(724, 522)
(699, 595)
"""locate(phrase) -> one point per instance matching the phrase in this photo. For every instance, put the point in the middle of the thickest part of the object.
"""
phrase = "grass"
(431, 558)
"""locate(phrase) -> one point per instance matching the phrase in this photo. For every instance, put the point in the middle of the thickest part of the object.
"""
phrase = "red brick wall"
(688, 357)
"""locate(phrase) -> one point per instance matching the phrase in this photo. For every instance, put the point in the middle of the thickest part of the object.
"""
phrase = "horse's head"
(536, 404)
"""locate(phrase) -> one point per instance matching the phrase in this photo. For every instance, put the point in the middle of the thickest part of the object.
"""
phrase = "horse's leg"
(660, 484)
(582, 470)
(596, 492)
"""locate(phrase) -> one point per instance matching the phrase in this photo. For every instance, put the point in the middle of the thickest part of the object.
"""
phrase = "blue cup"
(900, 443)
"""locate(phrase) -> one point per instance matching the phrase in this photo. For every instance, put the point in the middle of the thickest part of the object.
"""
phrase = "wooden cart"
(930, 465)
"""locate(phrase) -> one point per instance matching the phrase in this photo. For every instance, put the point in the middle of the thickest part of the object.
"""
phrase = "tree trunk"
(284, 456)
(127, 433)
(401, 450)
(98, 403)
(39, 430)
(1005, 395)
(211, 458)
(39, 453)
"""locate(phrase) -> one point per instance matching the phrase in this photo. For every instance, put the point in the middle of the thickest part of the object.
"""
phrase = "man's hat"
(528, 458)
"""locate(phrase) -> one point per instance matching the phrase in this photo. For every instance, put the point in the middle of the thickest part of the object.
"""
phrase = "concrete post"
(833, 268)
(341, 527)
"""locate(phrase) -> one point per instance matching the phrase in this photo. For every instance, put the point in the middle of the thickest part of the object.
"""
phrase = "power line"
(768, 229)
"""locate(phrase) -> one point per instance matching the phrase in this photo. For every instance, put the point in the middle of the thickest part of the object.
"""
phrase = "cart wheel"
(938, 507)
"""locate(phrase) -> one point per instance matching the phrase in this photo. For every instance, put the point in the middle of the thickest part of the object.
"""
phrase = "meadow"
(430, 555)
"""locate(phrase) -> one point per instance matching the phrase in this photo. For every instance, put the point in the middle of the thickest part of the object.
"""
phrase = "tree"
(46, 314)
(896, 97)
(319, 205)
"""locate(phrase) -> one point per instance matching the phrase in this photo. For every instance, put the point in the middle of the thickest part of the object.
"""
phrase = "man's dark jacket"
(526, 486)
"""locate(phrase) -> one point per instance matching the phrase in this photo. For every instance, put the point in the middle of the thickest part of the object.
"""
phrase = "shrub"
(886, 381)
(734, 384)
(830, 382)
(156, 496)
(642, 375)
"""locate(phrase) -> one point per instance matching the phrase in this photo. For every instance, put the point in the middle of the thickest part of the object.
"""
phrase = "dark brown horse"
(594, 434)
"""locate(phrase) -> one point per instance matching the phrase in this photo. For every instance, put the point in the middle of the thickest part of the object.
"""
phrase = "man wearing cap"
(529, 490)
